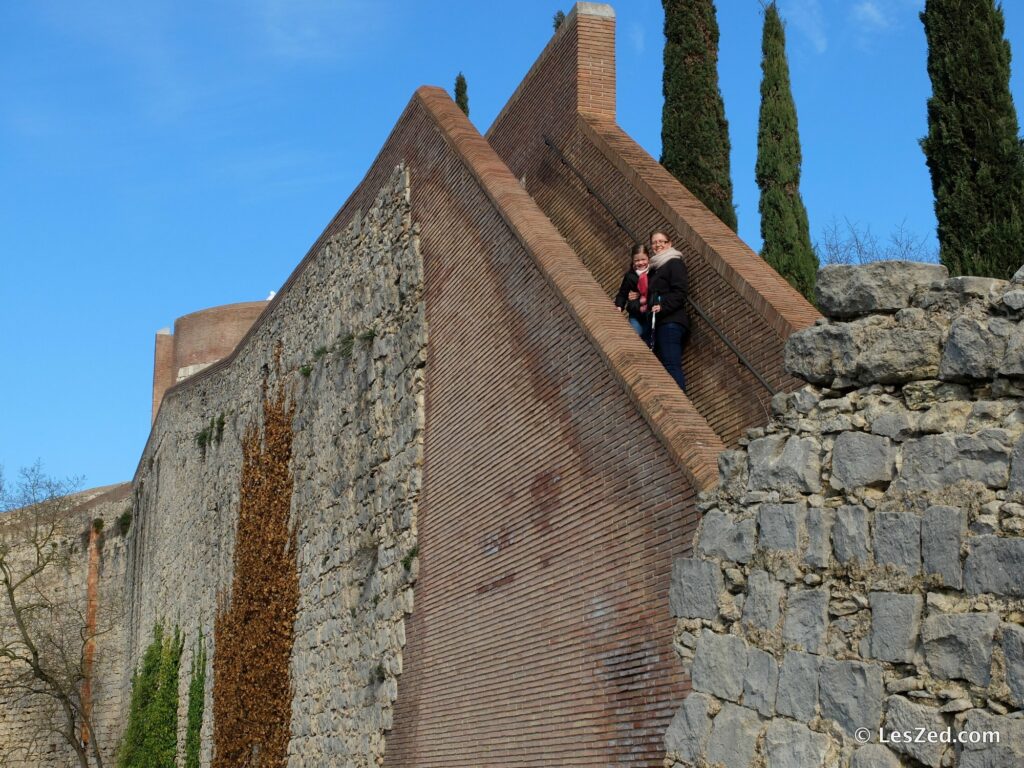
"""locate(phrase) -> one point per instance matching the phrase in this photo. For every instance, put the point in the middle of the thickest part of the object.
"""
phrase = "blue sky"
(162, 157)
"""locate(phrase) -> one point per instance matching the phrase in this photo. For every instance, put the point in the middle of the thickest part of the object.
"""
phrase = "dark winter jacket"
(668, 288)
(631, 282)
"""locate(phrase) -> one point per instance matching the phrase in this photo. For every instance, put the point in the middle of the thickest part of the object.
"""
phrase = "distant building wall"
(199, 340)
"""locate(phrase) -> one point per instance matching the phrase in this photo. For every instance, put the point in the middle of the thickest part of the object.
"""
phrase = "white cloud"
(870, 16)
(807, 17)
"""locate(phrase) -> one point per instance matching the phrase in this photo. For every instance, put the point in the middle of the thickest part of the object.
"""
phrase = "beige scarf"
(659, 260)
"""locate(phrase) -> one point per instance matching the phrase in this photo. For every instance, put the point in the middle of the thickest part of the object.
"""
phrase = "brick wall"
(742, 295)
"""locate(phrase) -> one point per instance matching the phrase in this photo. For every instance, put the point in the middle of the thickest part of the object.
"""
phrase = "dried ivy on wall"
(252, 691)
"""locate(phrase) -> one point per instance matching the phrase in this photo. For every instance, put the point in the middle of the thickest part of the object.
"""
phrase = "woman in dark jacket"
(669, 284)
(633, 292)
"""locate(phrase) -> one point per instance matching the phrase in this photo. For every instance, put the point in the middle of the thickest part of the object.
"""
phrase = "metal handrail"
(633, 236)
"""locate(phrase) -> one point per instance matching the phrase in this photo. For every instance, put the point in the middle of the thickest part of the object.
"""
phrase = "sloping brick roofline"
(685, 434)
(672, 417)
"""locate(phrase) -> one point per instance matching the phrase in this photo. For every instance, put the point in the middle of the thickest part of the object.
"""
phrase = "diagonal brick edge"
(767, 292)
(685, 434)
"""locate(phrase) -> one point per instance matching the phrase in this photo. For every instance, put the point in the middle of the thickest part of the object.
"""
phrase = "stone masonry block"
(688, 733)
(874, 756)
(797, 695)
(761, 681)
(778, 525)
(934, 462)
(895, 624)
(721, 535)
(719, 663)
(942, 532)
(763, 606)
(818, 523)
(903, 716)
(734, 737)
(806, 618)
(883, 286)
(862, 460)
(1013, 651)
(782, 463)
(794, 745)
(695, 589)
(851, 694)
(974, 348)
(898, 541)
(959, 646)
(995, 565)
(850, 534)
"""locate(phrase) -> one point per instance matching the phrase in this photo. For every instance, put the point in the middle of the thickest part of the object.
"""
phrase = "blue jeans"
(643, 329)
(671, 337)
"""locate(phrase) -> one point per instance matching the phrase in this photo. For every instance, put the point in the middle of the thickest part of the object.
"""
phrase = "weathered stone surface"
(883, 350)
(719, 663)
(884, 286)
(862, 460)
(895, 626)
(778, 462)
(794, 745)
(1013, 651)
(806, 618)
(760, 682)
(903, 716)
(934, 462)
(995, 565)
(923, 394)
(1013, 359)
(851, 694)
(732, 471)
(778, 525)
(974, 348)
(894, 422)
(797, 695)
(898, 541)
(763, 606)
(814, 354)
(688, 733)
(850, 534)
(734, 737)
(695, 589)
(722, 536)
(959, 646)
(818, 523)
(1007, 753)
(1016, 480)
(874, 756)
(942, 532)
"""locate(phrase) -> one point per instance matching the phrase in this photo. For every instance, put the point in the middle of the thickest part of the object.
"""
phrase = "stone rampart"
(349, 353)
(861, 564)
(27, 738)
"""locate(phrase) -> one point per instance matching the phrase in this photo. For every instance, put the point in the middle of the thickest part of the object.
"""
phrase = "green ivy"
(151, 737)
(196, 703)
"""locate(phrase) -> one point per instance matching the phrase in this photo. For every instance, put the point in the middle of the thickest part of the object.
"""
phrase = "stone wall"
(347, 341)
(861, 565)
(26, 740)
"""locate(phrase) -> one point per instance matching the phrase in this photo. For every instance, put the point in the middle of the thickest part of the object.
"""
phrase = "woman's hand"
(656, 308)
(633, 295)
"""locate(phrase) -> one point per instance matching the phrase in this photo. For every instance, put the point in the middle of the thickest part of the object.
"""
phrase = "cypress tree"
(559, 18)
(694, 131)
(461, 97)
(972, 147)
(784, 229)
